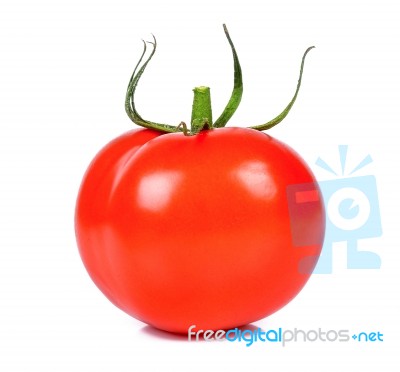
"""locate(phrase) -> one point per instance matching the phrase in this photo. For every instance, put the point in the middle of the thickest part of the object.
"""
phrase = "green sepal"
(284, 113)
(237, 91)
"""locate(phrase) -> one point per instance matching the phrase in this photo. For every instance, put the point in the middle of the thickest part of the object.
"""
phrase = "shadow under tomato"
(183, 337)
(163, 335)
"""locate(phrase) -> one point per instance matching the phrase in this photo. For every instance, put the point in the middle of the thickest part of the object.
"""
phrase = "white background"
(64, 67)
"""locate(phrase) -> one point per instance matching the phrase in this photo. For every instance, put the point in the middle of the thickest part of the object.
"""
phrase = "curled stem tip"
(130, 94)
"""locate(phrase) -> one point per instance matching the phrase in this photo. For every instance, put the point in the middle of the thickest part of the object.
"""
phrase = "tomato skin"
(91, 215)
(195, 230)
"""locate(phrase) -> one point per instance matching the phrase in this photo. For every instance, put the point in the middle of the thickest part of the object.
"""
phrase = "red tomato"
(195, 230)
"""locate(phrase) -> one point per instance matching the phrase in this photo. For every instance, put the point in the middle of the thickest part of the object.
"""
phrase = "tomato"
(214, 227)
(195, 230)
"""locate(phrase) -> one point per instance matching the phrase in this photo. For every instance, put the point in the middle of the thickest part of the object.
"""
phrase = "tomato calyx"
(201, 111)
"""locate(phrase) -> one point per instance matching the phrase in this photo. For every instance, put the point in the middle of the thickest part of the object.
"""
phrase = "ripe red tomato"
(195, 230)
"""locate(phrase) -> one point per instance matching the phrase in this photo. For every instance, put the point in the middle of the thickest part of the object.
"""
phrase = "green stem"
(201, 110)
